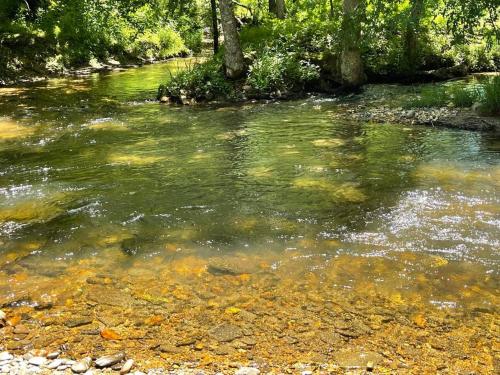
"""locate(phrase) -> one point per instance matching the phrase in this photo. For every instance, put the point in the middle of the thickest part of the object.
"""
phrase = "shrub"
(205, 81)
(163, 44)
(272, 71)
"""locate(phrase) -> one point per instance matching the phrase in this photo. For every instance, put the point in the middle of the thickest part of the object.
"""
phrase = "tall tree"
(351, 65)
(215, 25)
(410, 58)
(233, 54)
(280, 9)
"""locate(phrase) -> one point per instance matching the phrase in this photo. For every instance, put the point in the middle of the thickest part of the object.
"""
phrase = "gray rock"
(81, 366)
(37, 361)
(109, 360)
(247, 371)
(127, 366)
(78, 322)
(226, 333)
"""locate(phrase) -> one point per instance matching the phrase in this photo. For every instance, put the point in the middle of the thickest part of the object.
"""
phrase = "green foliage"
(273, 71)
(82, 30)
(160, 44)
(465, 96)
(485, 94)
(429, 97)
(205, 81)
(490, 103)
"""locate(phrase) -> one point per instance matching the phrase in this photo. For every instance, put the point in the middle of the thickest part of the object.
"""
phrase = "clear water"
(97, 179)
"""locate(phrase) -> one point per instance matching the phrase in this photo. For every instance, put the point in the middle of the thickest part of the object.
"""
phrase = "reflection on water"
(206, 233)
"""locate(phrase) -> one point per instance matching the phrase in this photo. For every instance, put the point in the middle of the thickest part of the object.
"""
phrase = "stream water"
(264, 232)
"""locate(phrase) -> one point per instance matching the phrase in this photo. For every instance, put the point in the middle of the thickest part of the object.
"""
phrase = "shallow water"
(162, 222)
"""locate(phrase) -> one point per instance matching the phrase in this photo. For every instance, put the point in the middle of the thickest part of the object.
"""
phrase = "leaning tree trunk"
(280, 9)
(233, 55)
(411, 52)
(351, 65)
(215, 26)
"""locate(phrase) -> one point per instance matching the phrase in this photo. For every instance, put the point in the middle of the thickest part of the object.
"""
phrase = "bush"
(205, 81)
(163, 44)
(273, 71)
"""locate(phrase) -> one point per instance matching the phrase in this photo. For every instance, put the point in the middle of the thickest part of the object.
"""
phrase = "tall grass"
(491, 101)
(486, 94)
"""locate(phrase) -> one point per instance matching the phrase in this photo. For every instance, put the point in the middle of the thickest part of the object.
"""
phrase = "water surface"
(112, 203)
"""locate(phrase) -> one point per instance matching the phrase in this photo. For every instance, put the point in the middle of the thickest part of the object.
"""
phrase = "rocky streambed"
(238, 316)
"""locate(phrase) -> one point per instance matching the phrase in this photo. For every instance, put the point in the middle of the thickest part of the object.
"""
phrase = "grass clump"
(490, 103)
(484, 96)
(430, 97)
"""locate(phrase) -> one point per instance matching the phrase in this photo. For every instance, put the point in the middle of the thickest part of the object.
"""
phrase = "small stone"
(109, 360)
(3, 316)
(6, 356)
(81, 366)
(55, 364)
(53, 355)
(370, 366)
(21, 330)
(78, 322)
(247, 371)
(127, 366)
(37, 361)
(185, 342)
(226, 333)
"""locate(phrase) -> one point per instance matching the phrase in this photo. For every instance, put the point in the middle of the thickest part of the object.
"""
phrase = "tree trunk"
(411, 52)
(215, 26)
(272, 6)
(351, 65)
(280, 9)
(233, 55)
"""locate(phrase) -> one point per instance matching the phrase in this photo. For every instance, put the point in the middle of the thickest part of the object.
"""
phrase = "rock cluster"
(41, 362)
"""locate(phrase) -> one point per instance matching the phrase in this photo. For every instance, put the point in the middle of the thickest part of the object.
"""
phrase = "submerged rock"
(226, 333)
(78, 322)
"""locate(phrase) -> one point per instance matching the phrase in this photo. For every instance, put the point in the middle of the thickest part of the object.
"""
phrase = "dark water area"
(192, 208)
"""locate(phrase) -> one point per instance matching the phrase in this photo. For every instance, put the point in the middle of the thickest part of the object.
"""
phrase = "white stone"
(247, 371)
(55, 363)
(6, 356)
(37, 361)
(127, 366)
(82, 366)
